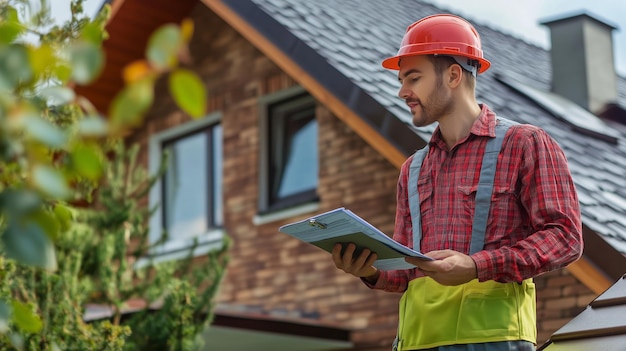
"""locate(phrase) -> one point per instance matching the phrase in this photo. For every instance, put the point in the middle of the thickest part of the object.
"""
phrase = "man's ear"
(455, 75)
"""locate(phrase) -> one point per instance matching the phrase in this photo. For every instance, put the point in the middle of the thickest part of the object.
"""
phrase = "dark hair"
(442, 62)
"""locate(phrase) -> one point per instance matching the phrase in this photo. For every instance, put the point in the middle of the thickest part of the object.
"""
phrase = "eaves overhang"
(129, 27)
(235, 328)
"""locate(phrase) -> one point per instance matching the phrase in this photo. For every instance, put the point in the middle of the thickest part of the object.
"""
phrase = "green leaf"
(93, 126)
(47, 222)
(92, 33)
(63, 71)
(87, 61)
(11, 14)
(10, 28)
(87, 161)
(44, 62)
(44, 131)
(58, 94)
(18, 202)
(14, 66)
(41, 58)
(163, 46)
(50, 181)
(27, 243)
(64, 217)
(25, 318)
(5, 316)
(17, 340)
(129, 105)
(188, 92)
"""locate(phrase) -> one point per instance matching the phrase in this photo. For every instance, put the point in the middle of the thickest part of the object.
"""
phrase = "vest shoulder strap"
(483, 192)
(414, 197)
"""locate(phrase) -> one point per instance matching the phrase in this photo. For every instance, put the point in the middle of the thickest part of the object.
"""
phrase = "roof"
(601, 326)
(343, 43)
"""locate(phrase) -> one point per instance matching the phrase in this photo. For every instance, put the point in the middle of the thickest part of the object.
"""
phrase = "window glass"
(293, 153)
(300, 168)
(192, 186)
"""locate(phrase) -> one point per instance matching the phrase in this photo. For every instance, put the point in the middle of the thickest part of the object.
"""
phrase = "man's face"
(423, 90)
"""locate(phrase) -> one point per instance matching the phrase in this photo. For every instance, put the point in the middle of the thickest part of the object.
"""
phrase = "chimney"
(583, 69)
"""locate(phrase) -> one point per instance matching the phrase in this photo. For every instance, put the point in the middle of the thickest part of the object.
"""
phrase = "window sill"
(294, 211)
(181, 249)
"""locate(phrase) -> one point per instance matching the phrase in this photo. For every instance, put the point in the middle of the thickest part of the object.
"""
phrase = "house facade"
(271, 273)
(292, 131)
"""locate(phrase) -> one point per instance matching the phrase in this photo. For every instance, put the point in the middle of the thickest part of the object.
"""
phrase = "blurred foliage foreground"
(71, 225)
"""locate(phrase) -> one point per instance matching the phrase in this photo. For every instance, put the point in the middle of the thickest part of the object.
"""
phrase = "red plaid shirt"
(534, 221)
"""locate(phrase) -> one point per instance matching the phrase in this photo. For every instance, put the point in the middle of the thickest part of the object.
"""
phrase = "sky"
(517, 17)
(61, 8)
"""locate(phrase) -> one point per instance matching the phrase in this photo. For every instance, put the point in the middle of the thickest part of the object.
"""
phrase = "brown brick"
(562, 281)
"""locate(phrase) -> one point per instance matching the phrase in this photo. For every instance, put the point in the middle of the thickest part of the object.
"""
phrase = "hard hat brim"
(393, 63)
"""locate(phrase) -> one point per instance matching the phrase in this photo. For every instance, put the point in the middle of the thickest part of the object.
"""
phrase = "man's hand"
(449, 267)
(360, 266)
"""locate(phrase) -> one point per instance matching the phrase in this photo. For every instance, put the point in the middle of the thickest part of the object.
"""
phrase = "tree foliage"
(72, 228)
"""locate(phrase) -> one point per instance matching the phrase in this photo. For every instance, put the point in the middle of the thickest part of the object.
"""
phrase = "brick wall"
(270, 271)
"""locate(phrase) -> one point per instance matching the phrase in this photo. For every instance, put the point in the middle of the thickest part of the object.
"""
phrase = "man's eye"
(411, 79)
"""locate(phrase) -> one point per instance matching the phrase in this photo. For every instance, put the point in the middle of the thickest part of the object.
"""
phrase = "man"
(487, 241)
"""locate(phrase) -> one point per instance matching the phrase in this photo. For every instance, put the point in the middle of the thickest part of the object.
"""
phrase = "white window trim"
(212, 240)
(176, 249)
(295, 211)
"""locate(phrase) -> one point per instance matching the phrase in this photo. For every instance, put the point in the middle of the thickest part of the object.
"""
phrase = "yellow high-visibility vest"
(433, 315)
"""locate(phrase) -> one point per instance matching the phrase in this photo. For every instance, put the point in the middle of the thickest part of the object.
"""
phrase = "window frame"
(286, 102)
(180, 248)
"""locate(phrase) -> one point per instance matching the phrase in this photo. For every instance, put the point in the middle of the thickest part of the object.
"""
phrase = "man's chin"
(419, 122)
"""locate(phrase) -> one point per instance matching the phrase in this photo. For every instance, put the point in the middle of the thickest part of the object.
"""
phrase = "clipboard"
(343, 226)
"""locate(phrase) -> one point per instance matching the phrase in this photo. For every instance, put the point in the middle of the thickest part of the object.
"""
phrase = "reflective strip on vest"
(433, 315)
(483, 193)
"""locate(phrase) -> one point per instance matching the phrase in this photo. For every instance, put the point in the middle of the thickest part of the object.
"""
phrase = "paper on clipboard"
(343, 226)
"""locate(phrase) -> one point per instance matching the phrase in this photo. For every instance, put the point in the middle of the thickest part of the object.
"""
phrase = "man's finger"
(347, 255)
(416, 261)
(371, 259)
(360, 260)
(440, 254)
(337, 256)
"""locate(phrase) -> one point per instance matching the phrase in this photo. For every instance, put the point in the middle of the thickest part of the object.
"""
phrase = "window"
(290, 157)
(193, 171)
(189, 194)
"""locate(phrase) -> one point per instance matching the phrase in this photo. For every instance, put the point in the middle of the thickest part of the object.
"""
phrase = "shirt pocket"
(503, 201)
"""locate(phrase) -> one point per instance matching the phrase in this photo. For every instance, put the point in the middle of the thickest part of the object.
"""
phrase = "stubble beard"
(438, 104)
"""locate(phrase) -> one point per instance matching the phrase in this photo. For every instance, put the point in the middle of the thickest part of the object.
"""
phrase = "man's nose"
(404, 93)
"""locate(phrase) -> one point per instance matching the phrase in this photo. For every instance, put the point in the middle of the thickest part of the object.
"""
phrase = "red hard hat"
(440, 34)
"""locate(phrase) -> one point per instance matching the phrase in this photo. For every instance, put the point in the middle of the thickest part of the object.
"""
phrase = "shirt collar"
(484, 125)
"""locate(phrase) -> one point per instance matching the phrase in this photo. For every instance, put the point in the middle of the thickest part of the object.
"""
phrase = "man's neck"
(457, 125)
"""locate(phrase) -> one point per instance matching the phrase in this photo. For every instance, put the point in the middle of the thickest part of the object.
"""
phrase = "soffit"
(131, 24)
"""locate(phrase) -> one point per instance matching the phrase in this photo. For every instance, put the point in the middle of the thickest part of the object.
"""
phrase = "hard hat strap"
(467, 63)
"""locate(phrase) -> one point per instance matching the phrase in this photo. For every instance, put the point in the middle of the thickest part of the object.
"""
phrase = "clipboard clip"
(314, 223)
